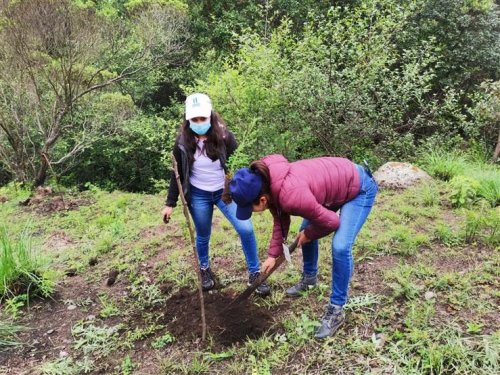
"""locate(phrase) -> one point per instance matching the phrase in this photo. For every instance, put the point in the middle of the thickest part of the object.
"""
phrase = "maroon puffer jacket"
(312, 189)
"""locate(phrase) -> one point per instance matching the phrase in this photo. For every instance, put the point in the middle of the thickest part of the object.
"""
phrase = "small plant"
(401, 281)
(491, 221)
(464, 191)
(419, 314)
(301, 330)
(14, 305)
(108, 308)
(473, 327)
(127, 366)
(100, 341)
(404, 240)
(199, 366)
(147, 295)
(363, 301)
(8, 332)
(444, 234)
(473, 221)
(67, 366)
(429, 195)
(260, 367)
(489, 189)
(163, 341)
(259, 346)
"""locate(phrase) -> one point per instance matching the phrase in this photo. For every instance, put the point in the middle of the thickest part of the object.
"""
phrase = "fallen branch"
(193, 243)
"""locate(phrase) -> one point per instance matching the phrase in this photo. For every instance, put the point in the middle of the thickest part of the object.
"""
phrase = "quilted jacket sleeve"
(301, 202)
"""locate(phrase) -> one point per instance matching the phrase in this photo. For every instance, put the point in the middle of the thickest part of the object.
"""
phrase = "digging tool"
(262, 277)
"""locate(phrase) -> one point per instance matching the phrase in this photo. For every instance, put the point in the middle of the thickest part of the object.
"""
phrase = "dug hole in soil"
(227, 327)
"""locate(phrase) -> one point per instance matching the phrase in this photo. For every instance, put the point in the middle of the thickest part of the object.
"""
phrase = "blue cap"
(245, 187)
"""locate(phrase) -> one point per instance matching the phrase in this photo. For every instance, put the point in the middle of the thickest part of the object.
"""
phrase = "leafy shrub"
(129, 160)
(464, 191)
(342, 78)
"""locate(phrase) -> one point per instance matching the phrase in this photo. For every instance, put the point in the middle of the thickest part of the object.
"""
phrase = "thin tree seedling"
(193, 243)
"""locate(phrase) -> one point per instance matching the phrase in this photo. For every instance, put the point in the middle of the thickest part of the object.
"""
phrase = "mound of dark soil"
(242, 321)
(48, 204)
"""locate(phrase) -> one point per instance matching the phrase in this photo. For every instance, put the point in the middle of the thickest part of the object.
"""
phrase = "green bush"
(130, 160)
(341, 79)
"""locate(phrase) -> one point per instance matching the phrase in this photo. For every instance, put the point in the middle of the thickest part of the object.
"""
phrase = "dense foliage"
(375, 79)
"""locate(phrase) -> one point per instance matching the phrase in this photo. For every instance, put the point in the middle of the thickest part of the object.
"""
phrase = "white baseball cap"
(198, 105)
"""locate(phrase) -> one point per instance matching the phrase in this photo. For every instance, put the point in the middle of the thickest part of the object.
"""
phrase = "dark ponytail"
(260, 168)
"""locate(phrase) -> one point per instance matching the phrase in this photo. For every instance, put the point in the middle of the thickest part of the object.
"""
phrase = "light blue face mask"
(200, 129)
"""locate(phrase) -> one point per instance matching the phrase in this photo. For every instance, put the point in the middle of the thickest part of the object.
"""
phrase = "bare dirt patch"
(368, 275)
(48, 323)
(58, 242)
(45, 201)
(227, 327)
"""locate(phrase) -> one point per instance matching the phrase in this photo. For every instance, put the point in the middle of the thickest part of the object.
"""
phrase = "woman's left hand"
(302, 239)
(268, 265)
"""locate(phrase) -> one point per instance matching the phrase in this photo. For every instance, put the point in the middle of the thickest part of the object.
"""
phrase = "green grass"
(443, 166)
(22, 270)
(8, 331)
(414, 242)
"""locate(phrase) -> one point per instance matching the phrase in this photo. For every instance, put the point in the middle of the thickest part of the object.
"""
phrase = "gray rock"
(396, 175)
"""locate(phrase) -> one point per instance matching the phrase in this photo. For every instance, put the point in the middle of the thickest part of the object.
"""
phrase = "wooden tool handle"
(263, 276)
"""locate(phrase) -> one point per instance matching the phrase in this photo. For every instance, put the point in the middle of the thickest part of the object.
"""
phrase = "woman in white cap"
(201, 151)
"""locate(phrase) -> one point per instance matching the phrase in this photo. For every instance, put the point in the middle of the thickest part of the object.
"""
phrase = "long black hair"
(214, 144)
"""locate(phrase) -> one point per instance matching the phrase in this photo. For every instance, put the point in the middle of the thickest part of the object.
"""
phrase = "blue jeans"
(353, 215)
(201, 206)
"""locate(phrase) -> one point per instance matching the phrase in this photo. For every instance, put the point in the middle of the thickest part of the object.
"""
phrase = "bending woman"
(313, 189)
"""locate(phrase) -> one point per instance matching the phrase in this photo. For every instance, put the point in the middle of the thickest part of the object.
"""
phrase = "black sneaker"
(306, 282)
(331, 321)
(207, 278)
(263, 289)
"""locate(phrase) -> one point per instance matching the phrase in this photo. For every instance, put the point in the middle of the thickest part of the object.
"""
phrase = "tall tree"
(57, 57)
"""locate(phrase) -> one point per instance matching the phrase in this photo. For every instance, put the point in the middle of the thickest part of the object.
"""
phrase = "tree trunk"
(41, 175)
(496, 153)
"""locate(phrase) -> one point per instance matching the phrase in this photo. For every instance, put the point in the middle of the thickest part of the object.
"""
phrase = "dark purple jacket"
(312, 189)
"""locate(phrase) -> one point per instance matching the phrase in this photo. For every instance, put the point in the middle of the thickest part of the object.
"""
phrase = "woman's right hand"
(166, 213)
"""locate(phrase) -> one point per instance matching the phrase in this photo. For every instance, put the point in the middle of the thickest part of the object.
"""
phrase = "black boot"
(306, 282)
(263, 289)
(207, 278)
